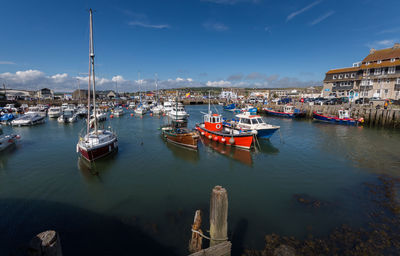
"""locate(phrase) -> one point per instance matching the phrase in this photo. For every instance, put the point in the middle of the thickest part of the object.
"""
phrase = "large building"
(377, 75)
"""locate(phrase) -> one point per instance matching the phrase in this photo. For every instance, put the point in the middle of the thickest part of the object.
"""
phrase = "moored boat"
(177, 133)
(68, 116)
(54, 112)
(288, 111)
(119, 111)
(28, 119)
(342, 118)
(7, 140)
(252, 123)
(96, 143)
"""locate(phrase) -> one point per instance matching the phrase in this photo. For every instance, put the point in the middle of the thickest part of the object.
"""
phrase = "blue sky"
(249, 43)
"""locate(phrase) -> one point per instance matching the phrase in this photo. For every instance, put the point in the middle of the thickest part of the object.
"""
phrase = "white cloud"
(5, 62)
(308, 7)
(118, 79)
(148, 25)
(321, 18)
(381, 43)
(221, 83)
(215, 26)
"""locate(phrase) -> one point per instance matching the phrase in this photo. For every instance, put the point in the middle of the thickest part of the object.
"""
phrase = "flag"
(188, 95)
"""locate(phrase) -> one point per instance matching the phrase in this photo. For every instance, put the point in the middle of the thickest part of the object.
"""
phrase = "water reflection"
(184, 153)
(5, 155)
(241, 155)
(267, 147)
(95, 170)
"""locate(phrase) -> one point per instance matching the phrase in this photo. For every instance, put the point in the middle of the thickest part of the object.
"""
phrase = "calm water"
(145, 196)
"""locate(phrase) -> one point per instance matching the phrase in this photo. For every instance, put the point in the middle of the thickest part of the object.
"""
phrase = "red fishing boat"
(213, 129)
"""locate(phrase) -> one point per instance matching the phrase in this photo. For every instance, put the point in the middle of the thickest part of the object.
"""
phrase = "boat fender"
(202, 133)
(210, 136)
(361, 120)
(231, 140)
(215, 138)
(223, 140)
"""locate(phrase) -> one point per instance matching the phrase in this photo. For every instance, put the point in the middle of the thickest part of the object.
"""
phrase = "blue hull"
(334, 120)
(266, 134)
(287, 115)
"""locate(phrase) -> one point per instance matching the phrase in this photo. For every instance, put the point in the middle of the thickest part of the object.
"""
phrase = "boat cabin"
(213, 122)
(288, 109)
(344, 114)
(249, 120)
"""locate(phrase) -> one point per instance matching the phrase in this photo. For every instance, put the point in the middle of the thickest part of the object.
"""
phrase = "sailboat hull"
(94, 153)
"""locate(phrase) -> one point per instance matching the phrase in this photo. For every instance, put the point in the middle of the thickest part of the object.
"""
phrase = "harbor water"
(143, 198)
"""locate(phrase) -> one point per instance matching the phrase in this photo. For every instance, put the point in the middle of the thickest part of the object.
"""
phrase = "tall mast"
(79, 91)
(156, 88)
(209, 102)
(91, 55)
(140, 93)
(89, 80)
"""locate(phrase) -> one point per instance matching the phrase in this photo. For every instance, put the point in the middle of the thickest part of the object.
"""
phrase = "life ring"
(218, 126)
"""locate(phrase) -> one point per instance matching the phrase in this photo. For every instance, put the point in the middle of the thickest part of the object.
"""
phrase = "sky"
(185, 43)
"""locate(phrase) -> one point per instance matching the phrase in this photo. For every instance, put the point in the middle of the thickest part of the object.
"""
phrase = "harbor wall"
(373, 117)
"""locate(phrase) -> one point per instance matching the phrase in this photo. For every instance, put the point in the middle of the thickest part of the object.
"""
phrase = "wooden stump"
(46, 243)
(218, 215)
(196, 241)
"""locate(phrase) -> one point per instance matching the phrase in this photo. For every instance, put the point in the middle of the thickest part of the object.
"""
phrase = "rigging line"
(209, 238)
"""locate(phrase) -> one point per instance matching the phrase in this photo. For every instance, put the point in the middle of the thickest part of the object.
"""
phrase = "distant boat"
(119, 111)
(7, 118)
(68, 116)
(178, 112)
(342, 118)
(252, 123)
(231, 107)
(96, 143)
(288, 111)
(54, 112)
(28, 120)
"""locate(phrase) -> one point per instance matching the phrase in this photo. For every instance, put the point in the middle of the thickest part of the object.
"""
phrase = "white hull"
(28, 120)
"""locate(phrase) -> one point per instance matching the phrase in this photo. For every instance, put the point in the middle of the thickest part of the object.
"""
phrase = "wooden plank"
(46, 243)
(196, 241)
(221, 249)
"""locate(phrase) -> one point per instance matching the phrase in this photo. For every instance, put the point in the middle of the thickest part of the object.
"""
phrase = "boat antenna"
(91, 56)
(156, 75)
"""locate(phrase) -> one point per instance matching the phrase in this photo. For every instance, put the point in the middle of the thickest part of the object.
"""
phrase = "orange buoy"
(131, 114)
(111, 116)
(151, 114)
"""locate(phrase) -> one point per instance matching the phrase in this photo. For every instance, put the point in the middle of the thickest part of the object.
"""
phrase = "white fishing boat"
(96, 143)
(167, 107)
(99, 115)
(64, 106)
(131, 105)
(7, 140)
(119, 111)
(156, 110)
(37, 110)
(178, 112)
(54, 112)
(28, 119)
(82, 111)
(68, 116)
(140, 110)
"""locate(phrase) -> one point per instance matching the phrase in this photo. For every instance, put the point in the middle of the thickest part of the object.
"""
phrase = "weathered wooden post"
(218, 215)
(46, 243)
(196, 241)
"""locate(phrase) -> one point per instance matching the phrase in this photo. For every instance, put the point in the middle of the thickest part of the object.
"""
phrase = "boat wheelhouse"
(213, 129)
(54, 112)
(252, 123)
(288, 111)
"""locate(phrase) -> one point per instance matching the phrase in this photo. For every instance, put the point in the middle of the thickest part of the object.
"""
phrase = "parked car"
(361, 101)
(375, 98)
(285, 101)
(334, 101)
(345, 99)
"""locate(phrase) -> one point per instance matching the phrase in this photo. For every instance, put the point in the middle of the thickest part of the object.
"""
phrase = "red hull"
(96, 153)
(239, 141)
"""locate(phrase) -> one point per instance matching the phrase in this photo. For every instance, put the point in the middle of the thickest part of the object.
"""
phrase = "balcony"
(365, 87)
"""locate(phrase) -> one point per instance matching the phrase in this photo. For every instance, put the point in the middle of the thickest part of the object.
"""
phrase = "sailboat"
(140, 109)
(178, 133)
(157, 108)
(96, 143)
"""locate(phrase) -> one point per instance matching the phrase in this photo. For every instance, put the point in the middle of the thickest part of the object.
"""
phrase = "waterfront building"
(45, 93)
(377, 75)
(228, 95)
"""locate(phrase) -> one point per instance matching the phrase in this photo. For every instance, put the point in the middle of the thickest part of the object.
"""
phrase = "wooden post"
(218, 215)
(196, 241)
(46, 243)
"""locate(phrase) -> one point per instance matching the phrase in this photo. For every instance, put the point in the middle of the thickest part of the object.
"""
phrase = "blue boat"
(8, 117)
(288, 111)
(230, 107)
(247, 122)
(344, 118)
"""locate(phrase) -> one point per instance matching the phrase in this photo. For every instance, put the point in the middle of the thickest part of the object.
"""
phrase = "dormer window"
(340, 76)
(392, 59)
(378, 71)
(367, 63)
(346, 76)
(379, 61)
(334, 76)
(392, 70)
(353, 75)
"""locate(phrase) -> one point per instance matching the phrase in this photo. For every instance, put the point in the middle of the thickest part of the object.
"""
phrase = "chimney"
(396, 46)
(372, 51)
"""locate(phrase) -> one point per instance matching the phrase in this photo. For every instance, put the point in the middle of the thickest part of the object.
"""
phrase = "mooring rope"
(209, 238)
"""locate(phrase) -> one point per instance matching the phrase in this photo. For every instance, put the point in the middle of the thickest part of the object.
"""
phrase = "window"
(367, 63)
(392, 70)
(334, 84)
(334, 76)
(378, 71)
(398, 80)
(387, 81)
(353, 75)
(366, 72)
(379, 81)
(379, 61)
(340, 76)
(378, 91)
(386, 91)
(346, 76)
(392, 59)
